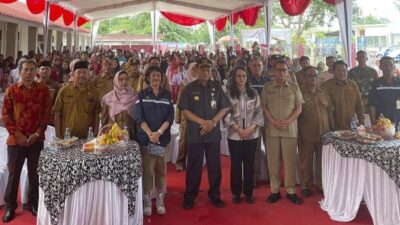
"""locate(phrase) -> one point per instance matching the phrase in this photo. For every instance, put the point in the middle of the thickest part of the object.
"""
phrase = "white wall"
(23, 38)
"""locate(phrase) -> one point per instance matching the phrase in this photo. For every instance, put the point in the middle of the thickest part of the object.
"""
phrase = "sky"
(379, 8)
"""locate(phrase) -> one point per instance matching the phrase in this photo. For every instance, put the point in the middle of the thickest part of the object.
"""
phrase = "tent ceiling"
(204, 9)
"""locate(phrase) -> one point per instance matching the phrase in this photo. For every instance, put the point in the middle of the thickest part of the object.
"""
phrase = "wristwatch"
(36, 134)
(160, 132)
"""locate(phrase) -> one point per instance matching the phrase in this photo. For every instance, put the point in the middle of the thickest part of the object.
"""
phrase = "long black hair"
(233, 89)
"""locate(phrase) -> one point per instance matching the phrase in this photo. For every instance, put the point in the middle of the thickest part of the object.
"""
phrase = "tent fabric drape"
(294, 7)
(35, 6)
(249, 17)
(7, 1)
(68, 17)
(56, 12)
(344, 10)
(82, 21)
(182, 19)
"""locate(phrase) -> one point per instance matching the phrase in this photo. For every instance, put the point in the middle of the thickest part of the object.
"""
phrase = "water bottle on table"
(67, 133)
(353, 124)
(90, 135)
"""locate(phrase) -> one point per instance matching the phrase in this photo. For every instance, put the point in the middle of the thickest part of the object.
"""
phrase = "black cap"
(204, 62)
(45, 63)
(80, 65)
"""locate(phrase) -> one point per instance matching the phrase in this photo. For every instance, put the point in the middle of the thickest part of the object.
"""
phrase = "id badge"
(397, 104)
(213, 104)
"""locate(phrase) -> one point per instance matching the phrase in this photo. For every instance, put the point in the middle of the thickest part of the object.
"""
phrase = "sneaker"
(147, 205)
(160, 204)
(188, 204)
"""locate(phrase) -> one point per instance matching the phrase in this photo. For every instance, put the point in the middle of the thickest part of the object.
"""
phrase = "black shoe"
(294, 199)
(249, 199)
(236, 199)
(8, 216)
(218, 203)
(188, 204)
(306, 192)
(273, 197)
(319, 190)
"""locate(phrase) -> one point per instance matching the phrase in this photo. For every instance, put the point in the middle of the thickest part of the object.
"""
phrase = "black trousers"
(195, 155)
(16, 159)
(242, 161)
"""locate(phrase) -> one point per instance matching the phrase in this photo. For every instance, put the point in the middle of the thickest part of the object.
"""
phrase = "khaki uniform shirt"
(281, 101)
(53, 88)
(314, 118)
(164, 83)
(134, 80)
(78, 109)
(300, 77)
(346, 100)
(103, 85)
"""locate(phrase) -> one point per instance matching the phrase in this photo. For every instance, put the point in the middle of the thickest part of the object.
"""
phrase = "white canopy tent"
(209, 10)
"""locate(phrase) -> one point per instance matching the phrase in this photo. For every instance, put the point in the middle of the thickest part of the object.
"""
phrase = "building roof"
(19, 10)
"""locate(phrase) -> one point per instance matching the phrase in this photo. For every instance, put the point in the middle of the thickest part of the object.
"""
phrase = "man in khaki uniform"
(154, 61)
(345, 97)
(104, 83)
(304, 63)
(44, 78)
(282, 102)
(132, 67)
(314, 121)
(77, 105)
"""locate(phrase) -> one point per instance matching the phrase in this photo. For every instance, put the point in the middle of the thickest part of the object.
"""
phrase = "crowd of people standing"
(259, 100)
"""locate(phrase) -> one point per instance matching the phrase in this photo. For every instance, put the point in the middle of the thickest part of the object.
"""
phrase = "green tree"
(360, 19)
(317, 14)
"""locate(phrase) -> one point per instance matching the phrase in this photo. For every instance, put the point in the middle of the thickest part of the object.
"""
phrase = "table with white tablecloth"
(352, 172)
(86, 188)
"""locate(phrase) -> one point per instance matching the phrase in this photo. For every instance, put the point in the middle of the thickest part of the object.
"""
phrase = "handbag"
(155, 150)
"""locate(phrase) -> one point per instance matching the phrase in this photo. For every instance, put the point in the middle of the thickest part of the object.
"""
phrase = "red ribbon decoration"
(68, 17)
(82, 21)
(220, 23)
(330, 2)
(182, 19)
(7, 1)
(55, 12)
(250, 16)
(36, 6)
(294, 7)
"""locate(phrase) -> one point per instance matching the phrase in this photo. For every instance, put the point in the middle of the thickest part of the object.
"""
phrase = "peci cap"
(45, 63)
(80, 65)
(204, 62)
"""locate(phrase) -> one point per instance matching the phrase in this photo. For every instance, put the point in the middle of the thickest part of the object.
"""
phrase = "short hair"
(362, 52)
(304, 58)
(330, 57)
(25, 61)
(386, 58)
(156, 58)
(308, 68)
(337, 63)
(280, 61)
(149, 71)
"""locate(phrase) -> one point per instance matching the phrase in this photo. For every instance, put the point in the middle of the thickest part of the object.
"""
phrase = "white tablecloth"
(346, 181)
(96, 203)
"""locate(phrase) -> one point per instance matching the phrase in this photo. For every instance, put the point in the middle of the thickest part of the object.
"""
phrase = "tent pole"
(46, 28)
(267, 22)
(75, 33)
(232, 32)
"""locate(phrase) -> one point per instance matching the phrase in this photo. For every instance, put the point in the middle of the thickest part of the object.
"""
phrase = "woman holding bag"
(243, 122)
(154, 116)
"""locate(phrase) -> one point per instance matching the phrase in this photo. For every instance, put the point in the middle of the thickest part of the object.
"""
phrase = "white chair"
(3, 182)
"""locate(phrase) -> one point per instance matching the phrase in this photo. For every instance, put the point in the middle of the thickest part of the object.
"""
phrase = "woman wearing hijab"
(120, 104)
(180, 119)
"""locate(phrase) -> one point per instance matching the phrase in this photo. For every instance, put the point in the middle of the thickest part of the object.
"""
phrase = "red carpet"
(281, 213)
